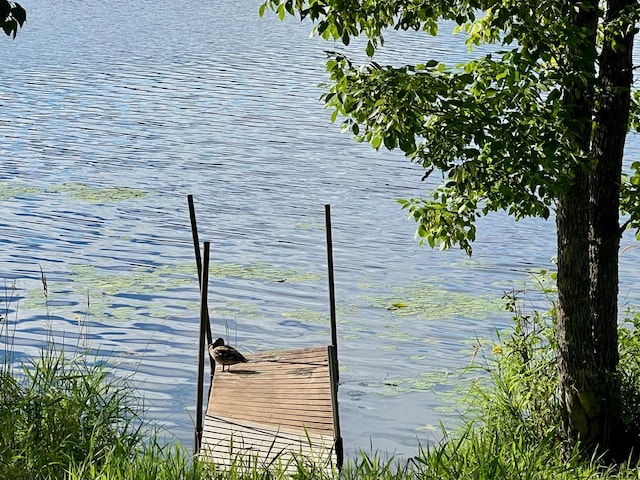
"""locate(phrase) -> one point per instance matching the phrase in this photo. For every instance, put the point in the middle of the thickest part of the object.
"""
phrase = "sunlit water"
(112, 113)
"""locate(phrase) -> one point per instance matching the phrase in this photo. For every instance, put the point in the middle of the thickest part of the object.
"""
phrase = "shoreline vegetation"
(66, 415)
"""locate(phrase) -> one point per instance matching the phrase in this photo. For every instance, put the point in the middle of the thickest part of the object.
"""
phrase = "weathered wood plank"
(281, 410)
(277, 405)
(296, 395)
(309, 426)
(246, 444)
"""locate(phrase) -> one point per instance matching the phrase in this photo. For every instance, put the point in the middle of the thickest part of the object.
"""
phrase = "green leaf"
(19, 14)
(345, 37)
(370, 49)
(10, 27)
(554, 95)
(5, 9)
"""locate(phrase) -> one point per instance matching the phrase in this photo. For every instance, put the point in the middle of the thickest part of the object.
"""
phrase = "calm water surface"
(112, 113)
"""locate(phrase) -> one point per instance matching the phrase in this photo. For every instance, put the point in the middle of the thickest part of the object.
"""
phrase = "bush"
(513, 423)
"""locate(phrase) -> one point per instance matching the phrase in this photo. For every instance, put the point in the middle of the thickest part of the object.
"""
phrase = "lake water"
(112, 113)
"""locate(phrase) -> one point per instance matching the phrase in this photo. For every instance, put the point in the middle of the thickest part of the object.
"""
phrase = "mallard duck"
(225, 355)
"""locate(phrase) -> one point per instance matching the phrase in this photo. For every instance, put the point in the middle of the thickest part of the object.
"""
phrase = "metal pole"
(332, 293)
(333, 378)
(204, 280)
(196, 248)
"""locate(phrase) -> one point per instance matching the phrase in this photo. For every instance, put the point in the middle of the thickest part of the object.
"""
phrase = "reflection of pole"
(204, 281)
(332, 293)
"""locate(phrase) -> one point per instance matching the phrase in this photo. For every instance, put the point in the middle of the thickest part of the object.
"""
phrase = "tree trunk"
(577, 363)
(588, 243)
(579, 373)
(612, 120)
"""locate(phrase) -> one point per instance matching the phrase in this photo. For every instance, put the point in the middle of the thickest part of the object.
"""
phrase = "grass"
(67, 416)
(59, 411)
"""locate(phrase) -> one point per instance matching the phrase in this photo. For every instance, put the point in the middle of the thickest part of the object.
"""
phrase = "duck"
(225, 355)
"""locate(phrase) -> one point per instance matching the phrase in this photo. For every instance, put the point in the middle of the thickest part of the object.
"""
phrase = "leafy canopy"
(12, 17)
(497, 127)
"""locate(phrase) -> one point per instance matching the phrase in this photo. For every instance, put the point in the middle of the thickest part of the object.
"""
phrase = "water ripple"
(98, 100)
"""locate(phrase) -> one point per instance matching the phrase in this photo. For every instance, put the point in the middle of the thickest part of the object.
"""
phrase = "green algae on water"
(260, 271)
(309, 226)
(308, 316)
(92, 194)
(426, 301)
(12, 190)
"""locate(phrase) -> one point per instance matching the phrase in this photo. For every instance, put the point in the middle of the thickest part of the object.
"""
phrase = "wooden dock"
(278, 405)
(276, 410)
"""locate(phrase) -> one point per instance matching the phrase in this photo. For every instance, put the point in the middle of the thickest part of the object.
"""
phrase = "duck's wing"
(229, 354)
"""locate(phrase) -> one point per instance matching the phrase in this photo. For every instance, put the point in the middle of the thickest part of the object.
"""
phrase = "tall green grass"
(67, 416)
(58, 411)
(512, 422)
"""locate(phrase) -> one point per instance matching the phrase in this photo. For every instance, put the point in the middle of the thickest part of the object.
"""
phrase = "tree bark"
(589, 239)
(578, 364)
(612, 118)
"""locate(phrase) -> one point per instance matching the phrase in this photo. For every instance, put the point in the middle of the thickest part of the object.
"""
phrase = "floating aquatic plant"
(11, 190)
(387, 347)
(427, 301)
(92, 194)
(343, 315)
(97, 292)
(260, 271)
(138, 281)
(396, 335)
(124, 294)
(232, 309)
(308, 316)
(309, 226)
(443, 382)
